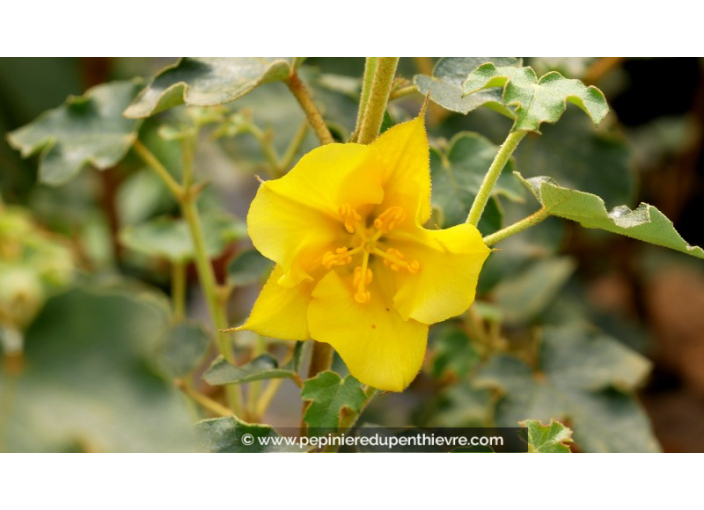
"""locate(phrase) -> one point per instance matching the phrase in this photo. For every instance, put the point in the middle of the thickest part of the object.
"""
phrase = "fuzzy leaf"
(580, 157)
(585, 377)
(537, 101)
(87, 129)
(183, 346)
(170, 238)
(457, 174)
(547, 438)
(645, 223)
(232, 435)
(262, 367)
(248, 267)
(445, 86)
(207, 81)
(329, 394)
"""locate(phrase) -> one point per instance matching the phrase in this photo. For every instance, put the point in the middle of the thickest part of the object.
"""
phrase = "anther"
(396, 261)
(349, 216)
(339, 257)
(389, 219)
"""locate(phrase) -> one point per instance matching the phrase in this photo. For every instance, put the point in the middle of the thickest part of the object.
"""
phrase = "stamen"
(396, 261)
(350, 217)
(339, 257)
(360, 282)
(389, 219)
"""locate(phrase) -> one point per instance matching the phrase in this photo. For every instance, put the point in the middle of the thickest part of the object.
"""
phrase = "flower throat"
(366, 241)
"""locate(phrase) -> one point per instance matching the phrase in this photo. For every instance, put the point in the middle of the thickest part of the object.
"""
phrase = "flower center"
(365, 242)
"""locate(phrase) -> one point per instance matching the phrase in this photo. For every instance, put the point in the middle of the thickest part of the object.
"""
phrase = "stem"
(206, 402)
(187, 155)
(156, 165)
(266, 397)
(369, 69)
(178, 289)
(378, 98)
(205, 269)
(207, 276)
(321, 359)
(270, 155)
(517, 227)
(293, 147)
(403, 92)
(301, 93)
(255, 387)
(497, 166)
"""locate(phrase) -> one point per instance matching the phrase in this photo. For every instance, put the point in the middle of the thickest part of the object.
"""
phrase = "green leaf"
(262, 367)
(232, 435)
(580, 157)
(550, 438)
(248, 267)
(457, 174)
(453, 351)
(207, 81)
(89, 383)
(462, 405)
(170, 238)
(183, 346)
(87, 129)
(581, 376)
(645, 223)
(445, 86)
(329, 395)
(526, 294)
(537, 101)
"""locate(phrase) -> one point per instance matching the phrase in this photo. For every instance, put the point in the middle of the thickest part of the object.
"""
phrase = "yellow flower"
(354, 266)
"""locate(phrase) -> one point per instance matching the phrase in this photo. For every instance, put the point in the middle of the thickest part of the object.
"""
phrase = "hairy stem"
(321, 359)
(161, 171)
(205, 402)
(178, 289)
(517, 227)
(302, 94)
(367, 79)
(497, 166)
(378, 99)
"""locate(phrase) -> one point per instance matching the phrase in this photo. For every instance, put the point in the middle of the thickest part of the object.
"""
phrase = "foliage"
(96, 359)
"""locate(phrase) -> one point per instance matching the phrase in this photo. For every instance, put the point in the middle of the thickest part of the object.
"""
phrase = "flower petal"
(379, 348)
(291, 234)
(450, 262)
(294, 220)
(280, 312)
(404, 155)
(333, 175)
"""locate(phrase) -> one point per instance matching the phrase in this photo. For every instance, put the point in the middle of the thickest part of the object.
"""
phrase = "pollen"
(389, 219)
(339, 257)
(350, 217)
(396, 261)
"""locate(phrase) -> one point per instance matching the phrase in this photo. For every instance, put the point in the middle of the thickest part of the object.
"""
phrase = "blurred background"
(89, 380)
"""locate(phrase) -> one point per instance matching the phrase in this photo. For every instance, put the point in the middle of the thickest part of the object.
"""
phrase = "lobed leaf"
(183, 346)
(457, 174)
(444, 87)
(248, 267)
(551, 438)
(225, 435)
(262, 367)
(536, 100)
(87, 129)
(170, 238)
(207, 81)
(645, 223)
(329, 395)
(582, 376)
